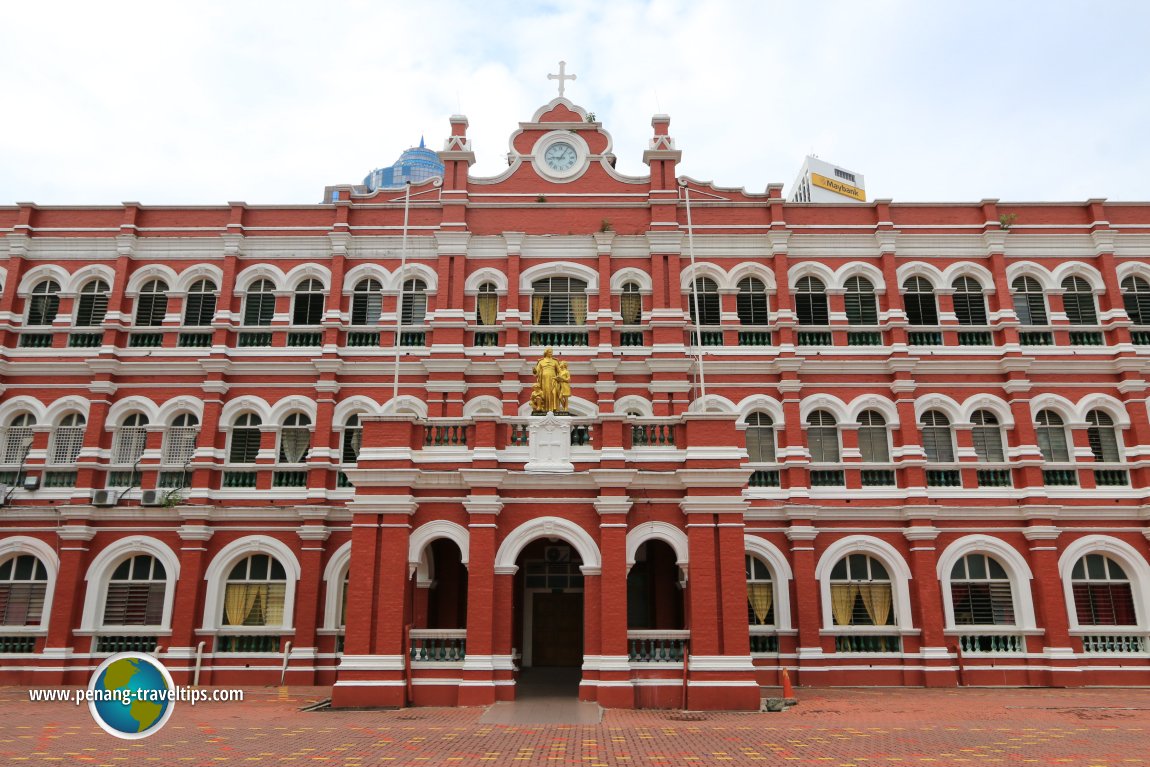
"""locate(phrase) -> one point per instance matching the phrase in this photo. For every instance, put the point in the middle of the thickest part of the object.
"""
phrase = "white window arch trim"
(1016, 569)
(548, 527)
(424, 535)
(337, 567)
(23, 544)
(781, 576)
(100, 573)
(217, 579)
(1134, 563)
(659, 531)
(896, 567)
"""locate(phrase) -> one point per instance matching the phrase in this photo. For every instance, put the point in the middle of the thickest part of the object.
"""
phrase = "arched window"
(307, 308)
(1103, 437)
(861, 593)
(1102, 594)
(861, 304)
(352, 439)
(752, 302)
(823, 437)
(631, 304)
(969, 302)
(131, 439)
(180, 439)
(760, 438)
(980, 592)
(200, 304)
(1078, 300)
(23, 586)
(245, 439)
(255, 592)
(559, 301)
(345, 582)
(18, 438)
(987, 436)
(93, 304)
(486, 305)
(811, 302)
(1029, 301)
(67, 439)
(366, 302)
(44, 303)
(259, 304)
(1052, 437)
(760, 593)
(937, 440)
(295, 438)
(152, 304)
(709, 311)
(1136, 298)
(921, 308)
(873, 438)
(414, 301)
(136, 593)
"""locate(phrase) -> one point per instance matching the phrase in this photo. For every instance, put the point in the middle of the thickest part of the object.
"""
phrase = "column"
(936, 657)
(806, 606)
(309, 593)
(479, 679)
(67, 597)
(613, 645)
(1050, 604)
(186, 611)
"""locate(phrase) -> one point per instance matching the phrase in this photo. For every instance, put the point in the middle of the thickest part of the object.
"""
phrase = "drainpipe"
(199, 659)
(287, 657)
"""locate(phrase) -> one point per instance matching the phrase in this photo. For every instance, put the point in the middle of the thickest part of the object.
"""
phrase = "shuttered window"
(987, 436)
(861, 304)
(259, 304)
(44, 303)
(136, 593)
(760, 438)
(937, 440)
(751, 303)
(969, 302)
(811, 302)
(706, 292)
(180, 439)
(131, 439)
(352, 439)
(1102, 437)
(23, 586)
(414, 302)
(152, 304)
(1136, 298)
(873, 442)
(93, 304)
(1102, 594)
(366, 302)
(1029, 301)
(67, 439)
(307, 305)
(200, 304)
(295, 438)
(980, 592)
(921, 308)
(1052, 437)
(245, 439)
(1078, 300)
(18, 438)
(823, 437)
(559, 301)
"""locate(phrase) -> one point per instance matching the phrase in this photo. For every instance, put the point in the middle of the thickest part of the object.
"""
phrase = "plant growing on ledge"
(590, 117)
(605, 226)
(541, 198)
(1006, 220)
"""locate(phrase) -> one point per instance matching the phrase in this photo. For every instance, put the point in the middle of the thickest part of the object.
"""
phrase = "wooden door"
(557, 629)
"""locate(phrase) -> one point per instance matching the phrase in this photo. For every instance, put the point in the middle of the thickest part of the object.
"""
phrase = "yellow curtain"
(631, 307)
(273, 595)
(239, 598)
(579, 309)
(487, 304)
(760, 595)
(843, 602)
(876, 599)
(536, 309)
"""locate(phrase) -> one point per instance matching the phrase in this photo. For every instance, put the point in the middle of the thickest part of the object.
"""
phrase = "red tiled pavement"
(861, 727)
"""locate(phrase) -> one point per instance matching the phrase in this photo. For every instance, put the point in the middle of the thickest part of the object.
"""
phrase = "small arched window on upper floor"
(307, 303)
(352, 439)
(259, 304)
(131, 439)
(823, 437)
(1029, 301)
(921, 307)
(811, 306)
(93, 304)
(486, 305)
(295, 438)
(1078, 300)
(937, 437)
(861, 303)
(200, 304)
(1103, 437)
(1102, 593)
(18, 439)
(414, 302)
(1136, 299)
(23, 588)
(367, 302)
(987, 436)
(751, 303)
(969, 302)
(980, 592)
(180, 440)
(44, 303)
(760, 438)
(874, 438)
(708, 309)
(152, 304)
(135, 594)
(245, 439)
(559, 301)
(1051, 430)
(67, 439)
(255, 592)
(631, 304)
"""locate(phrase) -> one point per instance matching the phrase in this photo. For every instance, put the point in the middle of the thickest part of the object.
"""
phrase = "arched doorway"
(549, 587)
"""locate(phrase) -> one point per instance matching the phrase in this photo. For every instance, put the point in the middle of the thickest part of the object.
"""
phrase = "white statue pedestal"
(549, 443)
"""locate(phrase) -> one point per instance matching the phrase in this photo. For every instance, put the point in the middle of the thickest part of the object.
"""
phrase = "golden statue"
(548, 385)
(564, 386)
(537, 403)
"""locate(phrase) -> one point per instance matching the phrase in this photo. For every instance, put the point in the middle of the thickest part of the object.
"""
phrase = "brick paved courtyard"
(1105, 727)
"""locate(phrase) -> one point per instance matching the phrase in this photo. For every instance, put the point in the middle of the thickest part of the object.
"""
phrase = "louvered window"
(1029, 301)
(200, 304)
(259, 304)
(44, 303)
(255, 593)
(1052, 437)
(366, 302)
(861, 593)
(1078, 300)
(921, 308)
(811, 302)
(93, 304)
(631, 304)
(873, 442)
(559, 301)
(980, 592)
(706, 292)
(352, 439)
(136, 593)
(1136, 298)
(861, 304)
(245, 439)
(987, 436)
(760, 593)
(969, 302)
(937, 440)
(1102, 594)
(414, 302)
(487, 305)
(67, 439)
(751, 303)
(23, 585)
(131, 439)
(823, 437)
(760, 438)
(1102, 437)
(295, 438)
(18, 438)
(180, 440)
(308, 303)
(152, 304)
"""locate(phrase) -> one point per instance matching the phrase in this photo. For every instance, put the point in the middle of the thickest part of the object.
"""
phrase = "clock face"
(560, 156)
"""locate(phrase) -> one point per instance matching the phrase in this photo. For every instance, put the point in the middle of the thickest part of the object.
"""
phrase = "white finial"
(561, 77)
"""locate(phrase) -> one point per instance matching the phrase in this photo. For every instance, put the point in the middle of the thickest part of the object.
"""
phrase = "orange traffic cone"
(788, 690)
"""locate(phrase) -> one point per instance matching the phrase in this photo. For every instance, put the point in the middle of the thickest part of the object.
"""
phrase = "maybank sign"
(838, 187)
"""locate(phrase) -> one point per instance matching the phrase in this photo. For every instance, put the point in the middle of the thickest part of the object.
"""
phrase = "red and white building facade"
(871, 444)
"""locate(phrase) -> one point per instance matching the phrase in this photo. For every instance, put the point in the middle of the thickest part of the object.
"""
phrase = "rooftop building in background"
(416, 164)
(820, 181)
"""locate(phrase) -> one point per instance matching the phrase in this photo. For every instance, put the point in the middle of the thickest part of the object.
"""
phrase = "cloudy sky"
(206, 102)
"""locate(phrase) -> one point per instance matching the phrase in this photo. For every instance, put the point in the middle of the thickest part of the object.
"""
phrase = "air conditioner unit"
(103, 497)
(31, 483)
(151, 498)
